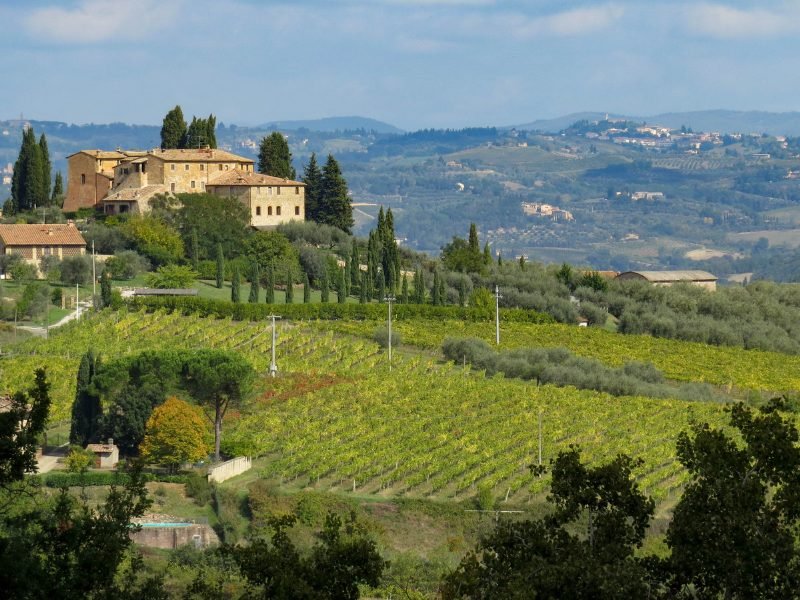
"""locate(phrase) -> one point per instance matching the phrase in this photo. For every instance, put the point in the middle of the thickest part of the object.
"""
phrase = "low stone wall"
(230, 468)
(169, 538)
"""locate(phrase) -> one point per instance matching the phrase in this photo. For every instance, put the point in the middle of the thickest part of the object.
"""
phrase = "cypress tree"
(473, 244)
(381, 281)
(211, 131)
(289, 288)
(254, 277)
(235, 285)
(521, 262)
(346, 277)
(57, 199)
(306, 289)
(362, 292)
(312, 177)
(220, 267)
(404, 292)
(173, 129)
(270, 286)
(323, 284)
(341, 292)
(442, 292)
(47, 168)
(195, 251)
(462, 292)
(274, 157)
(105, 289)
(27, 182)
(86, 408)
(487, 255)
(354, 265)
(335, 206)
(499, 259)
(435, 300)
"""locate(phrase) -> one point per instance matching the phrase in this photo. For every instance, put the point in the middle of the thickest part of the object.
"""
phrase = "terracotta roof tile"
(41, 235)
(248, 179)
(199, 155)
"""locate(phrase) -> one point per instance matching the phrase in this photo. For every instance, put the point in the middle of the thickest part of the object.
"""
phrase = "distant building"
(270, 200)
(33, 242)
(537, 209)
(106, 456)
(666, 278)
(647, 196)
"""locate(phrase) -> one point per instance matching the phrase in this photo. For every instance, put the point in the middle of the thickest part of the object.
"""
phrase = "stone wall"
(230, 468)
(169, 538)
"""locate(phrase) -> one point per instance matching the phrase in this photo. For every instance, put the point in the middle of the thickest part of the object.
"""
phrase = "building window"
(83, 178)
(297, 190)
(227, 167)
(192, 184)
(203, 184)
(172, 187)
(172, 166)
(269, 211)
(202, 167)
(258, 211)
(279, 190)
(186, 167)
(297, 210)
(278, 210)
(269, 191)
(220, 167)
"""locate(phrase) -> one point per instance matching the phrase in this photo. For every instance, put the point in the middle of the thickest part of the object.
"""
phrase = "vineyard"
(337, 417)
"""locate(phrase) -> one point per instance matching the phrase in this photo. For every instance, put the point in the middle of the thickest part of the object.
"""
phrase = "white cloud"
(720, 21)
(92, 21)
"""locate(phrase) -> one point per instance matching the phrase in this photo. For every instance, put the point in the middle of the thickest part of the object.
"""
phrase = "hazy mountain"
(329, 124)
(724, 121)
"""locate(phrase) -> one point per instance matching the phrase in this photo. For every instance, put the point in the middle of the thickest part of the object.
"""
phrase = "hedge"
(305, 312)
(61, 479)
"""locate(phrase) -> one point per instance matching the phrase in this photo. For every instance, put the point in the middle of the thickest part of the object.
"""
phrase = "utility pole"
(94, 277)
(273, 368)
(389, 298)
(77, 304)
(540, 437)
(497, 297)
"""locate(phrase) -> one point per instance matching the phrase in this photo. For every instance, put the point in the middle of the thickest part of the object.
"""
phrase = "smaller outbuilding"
(34, 242)
(106, 456)
(703, 279)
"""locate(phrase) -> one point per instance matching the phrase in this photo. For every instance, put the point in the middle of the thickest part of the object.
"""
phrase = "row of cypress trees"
(32, 185)
(176, 134)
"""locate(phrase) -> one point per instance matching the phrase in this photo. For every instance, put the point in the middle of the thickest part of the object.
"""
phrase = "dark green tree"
(362, 291)
(404, 293)
(380, 287)
(289, 288)
(324, 287)
(306, 289)
(312, 177)
(462, 292)
(254, 283)
(47, 171)
(57, 199)
(521, 262)
(435, 300)
(173, 129)
(235, 285)
(487, 254)
(739, 508)
(473, 245)
(201, 133)
(335, 206)
(86, 410)
(583, 549)
(106, 297)
(195, 246)
(220, 267)
(217, 379)
(442, 292)
(27, 182)
(270, 286)
(274, 158)
(341, 288)
(355, 268)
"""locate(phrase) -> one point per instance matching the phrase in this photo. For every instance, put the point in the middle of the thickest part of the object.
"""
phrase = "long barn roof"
(664, 276)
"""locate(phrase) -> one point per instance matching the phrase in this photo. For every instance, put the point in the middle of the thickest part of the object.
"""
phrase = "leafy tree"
(254, 283)
(76, 270)
(733, 533)
(584, 549)
(312, 177)
(335, 207)
(86, 409)
(220, 266)
(154, 238)
(21, 426)
(175, 434)
(57, 199)
(50, 266)
(171, 277)
(273, 249)
(126, 264)
(35, 300)
(289, 288)
(216, 220)
(274, 157)
(235, 286)
(593, 280)
(173, 129)
(78, 459)
(217, 379)
(343, 559)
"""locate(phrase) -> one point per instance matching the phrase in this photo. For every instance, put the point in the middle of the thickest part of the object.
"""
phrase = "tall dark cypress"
(274, 156)
(462, 292)
(435, 300)
(195, 250)
(312, 177)
(341, 293)
(86, 409)
(289, 288)
(306, 289)
(354, 266)
(335, 206)
(404, 292)
(324, 287)
(173, 129)
(57, 198)
(46, 173)
(220, 266)
(235, 286)
(105, 289)
(254, 283)
(270, 286)
(362, 292)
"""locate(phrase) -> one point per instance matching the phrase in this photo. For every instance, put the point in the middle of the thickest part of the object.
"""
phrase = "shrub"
(172, 276)
(198, 488)
(126, 264)
(382, 337)
(484, 499)
(76, 270)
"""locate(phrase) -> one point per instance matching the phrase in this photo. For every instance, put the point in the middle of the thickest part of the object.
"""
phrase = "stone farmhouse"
(125, 181)
(33, 242)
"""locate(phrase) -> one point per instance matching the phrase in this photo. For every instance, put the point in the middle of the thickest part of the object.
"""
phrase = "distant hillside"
(724, 121)
(330, 124)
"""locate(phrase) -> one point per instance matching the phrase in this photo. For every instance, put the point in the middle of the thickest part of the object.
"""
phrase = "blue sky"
(413, 63)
